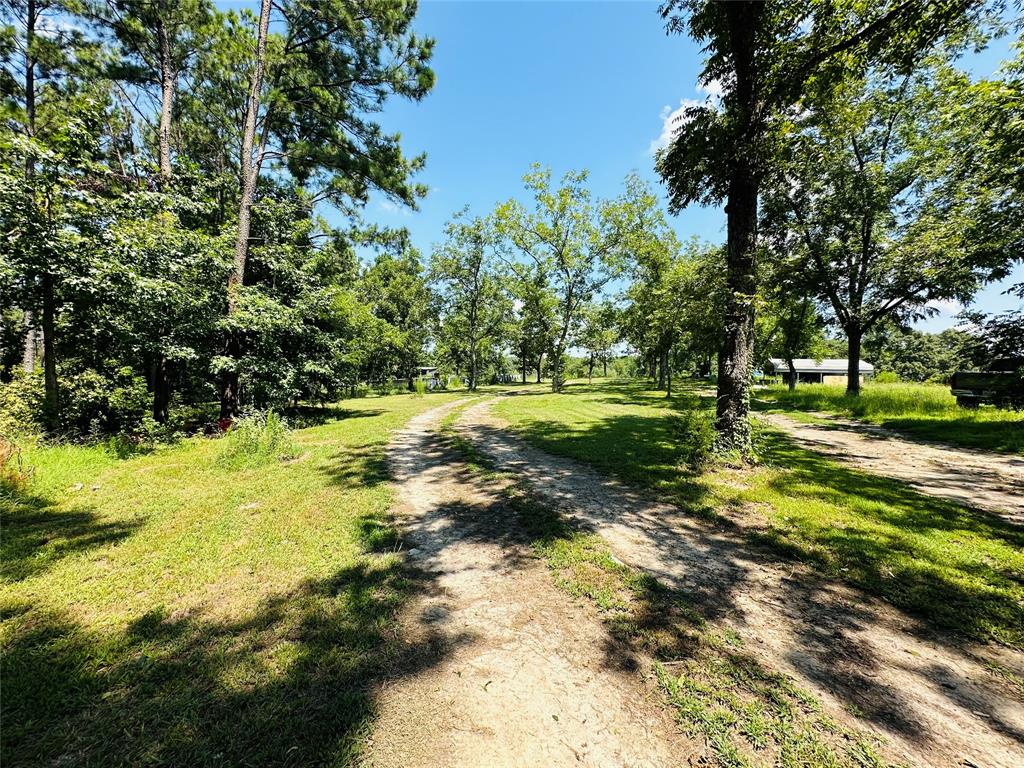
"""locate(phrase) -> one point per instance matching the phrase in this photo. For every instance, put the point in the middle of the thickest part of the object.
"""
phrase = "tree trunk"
(792, 373)
(733, 423)
(472, 368)
(250, 167)
(590, 370)
(167, 80)
(161, 390)
(662, 365)
(51, 398)
(668, 375)
(540, 367)
(605, 362)
(28, 355)
(853, 340)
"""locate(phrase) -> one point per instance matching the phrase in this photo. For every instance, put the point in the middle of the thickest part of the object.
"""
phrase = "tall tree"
(885, 230)
(317, 73)
(475, 304)
(767, 56)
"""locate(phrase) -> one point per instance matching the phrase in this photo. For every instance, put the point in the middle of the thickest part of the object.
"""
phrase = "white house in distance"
(830, 371)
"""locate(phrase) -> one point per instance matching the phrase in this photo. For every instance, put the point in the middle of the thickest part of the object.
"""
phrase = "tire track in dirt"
(929, 695)
(520, 674)
(979, 479)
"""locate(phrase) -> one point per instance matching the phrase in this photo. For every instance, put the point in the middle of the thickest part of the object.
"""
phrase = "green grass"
(165, 609)
(926, 411)
(957, 569)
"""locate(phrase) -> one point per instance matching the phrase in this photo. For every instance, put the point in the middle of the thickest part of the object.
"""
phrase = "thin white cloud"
(394, 209)
(945, 306)
(673, 119)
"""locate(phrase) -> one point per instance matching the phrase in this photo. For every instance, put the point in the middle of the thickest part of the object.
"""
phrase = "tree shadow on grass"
(290, 683)
(35, 534)
(907, 547)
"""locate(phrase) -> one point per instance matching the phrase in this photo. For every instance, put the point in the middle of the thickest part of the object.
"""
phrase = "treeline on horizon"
(165, 169)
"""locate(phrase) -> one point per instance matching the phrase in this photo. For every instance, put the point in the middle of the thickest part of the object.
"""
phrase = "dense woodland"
(166, 169)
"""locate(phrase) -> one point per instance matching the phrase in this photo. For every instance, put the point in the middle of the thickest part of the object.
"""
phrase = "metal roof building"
(829, 370)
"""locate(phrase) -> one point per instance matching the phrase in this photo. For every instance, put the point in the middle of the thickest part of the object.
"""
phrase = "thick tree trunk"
(250, 167)
(792, 374)
(662, 367)
(604, 361)
(167, 80)
(733, 423)
(590, 370)
(854, 334)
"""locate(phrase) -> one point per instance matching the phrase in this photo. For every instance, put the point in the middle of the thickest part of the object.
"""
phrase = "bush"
(15, 474)
(421, 387)
(255, 438)
(694, 433)
(21, 406)
(94, 404)
(887, 377)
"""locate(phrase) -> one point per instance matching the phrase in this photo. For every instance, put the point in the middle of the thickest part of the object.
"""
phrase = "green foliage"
(694, 432)
(420, 386)
(887, 377)
(21, 406)
(254, 439)
(113, 402)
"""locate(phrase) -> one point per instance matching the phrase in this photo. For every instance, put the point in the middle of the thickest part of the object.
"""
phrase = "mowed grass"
(957, 569)
(926, 411)
(167, 610)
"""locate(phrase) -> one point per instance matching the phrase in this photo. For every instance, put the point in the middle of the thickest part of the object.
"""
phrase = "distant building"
(816, 371)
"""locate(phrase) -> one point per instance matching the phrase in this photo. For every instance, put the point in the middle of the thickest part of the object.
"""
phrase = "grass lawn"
(167, 610)
(960, 570)
(927, 411)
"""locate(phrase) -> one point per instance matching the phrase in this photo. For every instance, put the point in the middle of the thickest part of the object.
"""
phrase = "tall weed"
(256, 438)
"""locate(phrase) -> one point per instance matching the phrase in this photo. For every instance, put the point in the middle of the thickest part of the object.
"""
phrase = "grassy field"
(960, 570)
(167, 609)
(927, 411)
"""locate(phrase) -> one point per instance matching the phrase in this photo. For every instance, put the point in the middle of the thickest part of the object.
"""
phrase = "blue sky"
(567, 84)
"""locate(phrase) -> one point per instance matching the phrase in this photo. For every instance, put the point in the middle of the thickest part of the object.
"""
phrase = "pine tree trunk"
(853, 341)
(167, 79)
(250, 167)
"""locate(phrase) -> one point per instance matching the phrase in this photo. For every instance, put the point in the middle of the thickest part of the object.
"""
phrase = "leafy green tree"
(883, 228)
(767, 58)
(396, 290)
(475, 306)
(599, 334)
(576, 245)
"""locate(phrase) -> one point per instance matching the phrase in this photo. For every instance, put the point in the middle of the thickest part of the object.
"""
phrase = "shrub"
(694, 433)
(421, 387)
(255, 438)
(886, 377)
(15, 475)
(95, 404)
(21, 406)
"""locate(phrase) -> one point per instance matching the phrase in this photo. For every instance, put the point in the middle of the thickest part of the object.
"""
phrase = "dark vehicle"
(1001, 384)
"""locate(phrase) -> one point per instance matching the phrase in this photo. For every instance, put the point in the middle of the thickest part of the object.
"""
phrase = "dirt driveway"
(978, 479)
(935, 698)
(519, 673)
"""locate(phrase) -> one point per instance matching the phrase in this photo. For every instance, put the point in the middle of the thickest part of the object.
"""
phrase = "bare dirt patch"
(979, 479)
(519, 674)
(934, 698)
